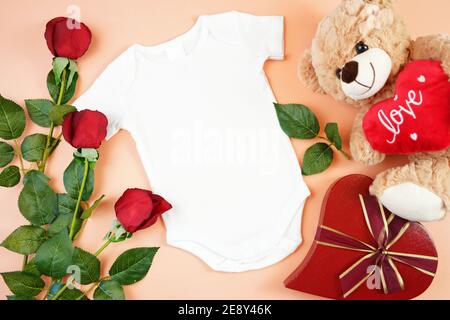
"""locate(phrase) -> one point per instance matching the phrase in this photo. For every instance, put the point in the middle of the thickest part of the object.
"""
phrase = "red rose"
(67, 37)
(85, 129)
(138, 209)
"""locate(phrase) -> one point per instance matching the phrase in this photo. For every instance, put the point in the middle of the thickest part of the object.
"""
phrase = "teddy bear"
(362, 54)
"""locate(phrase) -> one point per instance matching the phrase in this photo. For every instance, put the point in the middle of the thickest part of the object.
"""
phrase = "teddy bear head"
(357, 52)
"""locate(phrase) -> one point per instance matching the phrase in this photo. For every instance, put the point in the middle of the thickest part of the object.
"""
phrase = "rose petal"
(160, 205)
(64, 41)
(49, 30)
(89, 129)
(67, 127)
(133, 208)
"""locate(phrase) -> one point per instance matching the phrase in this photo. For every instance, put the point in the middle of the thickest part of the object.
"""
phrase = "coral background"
(175, 274)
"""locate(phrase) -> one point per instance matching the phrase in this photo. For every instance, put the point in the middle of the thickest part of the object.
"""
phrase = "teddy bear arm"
(434, 47)
(425, 182)
(359, 146)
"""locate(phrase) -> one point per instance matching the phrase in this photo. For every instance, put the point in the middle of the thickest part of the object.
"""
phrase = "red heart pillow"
(338, 265)
(417, 119)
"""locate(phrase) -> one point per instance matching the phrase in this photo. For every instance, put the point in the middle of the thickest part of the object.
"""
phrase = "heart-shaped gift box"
(363, 251)
(417, 118)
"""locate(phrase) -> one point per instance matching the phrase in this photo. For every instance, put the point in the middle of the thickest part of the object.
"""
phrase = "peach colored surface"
(175, 274)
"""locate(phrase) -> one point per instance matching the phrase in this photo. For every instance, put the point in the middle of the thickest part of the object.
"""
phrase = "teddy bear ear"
(382, 3)
(307, 73)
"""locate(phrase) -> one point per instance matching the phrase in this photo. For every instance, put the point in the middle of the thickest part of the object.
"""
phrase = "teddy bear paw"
(413, 202)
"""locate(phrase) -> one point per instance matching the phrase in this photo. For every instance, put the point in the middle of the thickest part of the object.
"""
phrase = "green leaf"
(109, 290)
(23, 284)
(132, 265)
(39, 110)
(25, 240)
(6, 154)
(37, 201)
(67, 204)
(88, 212)
(55, 255)
(89, 266)
(317, 159)
(62, 222)
(59, 64)
(68, 294)
(12, 119)
(332, 132)
(73, 177)
(57, 113)
(73, 70)
(66, 208)
(72, 294)
(297, 121)
(33, 147)
(10, 177)
(53, 88)
(31, 268)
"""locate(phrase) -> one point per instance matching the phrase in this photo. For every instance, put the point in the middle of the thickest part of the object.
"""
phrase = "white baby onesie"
(201, 112)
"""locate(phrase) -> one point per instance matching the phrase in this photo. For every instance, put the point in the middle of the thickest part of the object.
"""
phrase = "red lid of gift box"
(364, 252)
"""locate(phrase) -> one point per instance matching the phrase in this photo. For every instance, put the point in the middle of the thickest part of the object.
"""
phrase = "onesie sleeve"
(263, 35)
(108, 92)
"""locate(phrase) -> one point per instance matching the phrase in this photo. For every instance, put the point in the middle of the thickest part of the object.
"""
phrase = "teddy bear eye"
(361, 47)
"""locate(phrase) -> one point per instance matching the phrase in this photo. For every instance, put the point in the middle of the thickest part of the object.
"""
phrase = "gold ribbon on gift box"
(386, 231)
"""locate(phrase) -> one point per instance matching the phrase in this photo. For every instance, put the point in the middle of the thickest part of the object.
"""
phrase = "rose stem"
(103, 247)
(19, 154)
(80, 195)
(62, 89)
(95, 285)
(60, 292)
(49, 288)
(346, 155)
(25, 261)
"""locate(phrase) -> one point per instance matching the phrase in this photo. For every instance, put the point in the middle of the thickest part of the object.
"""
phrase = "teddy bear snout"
(366, 74)
(350, 71)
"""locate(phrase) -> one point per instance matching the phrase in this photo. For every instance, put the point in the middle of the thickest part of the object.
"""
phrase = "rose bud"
(138, 209)
(85, 129)
(67, 37)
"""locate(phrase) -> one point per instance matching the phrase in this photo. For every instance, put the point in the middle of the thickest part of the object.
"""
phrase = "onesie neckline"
(175, 48)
